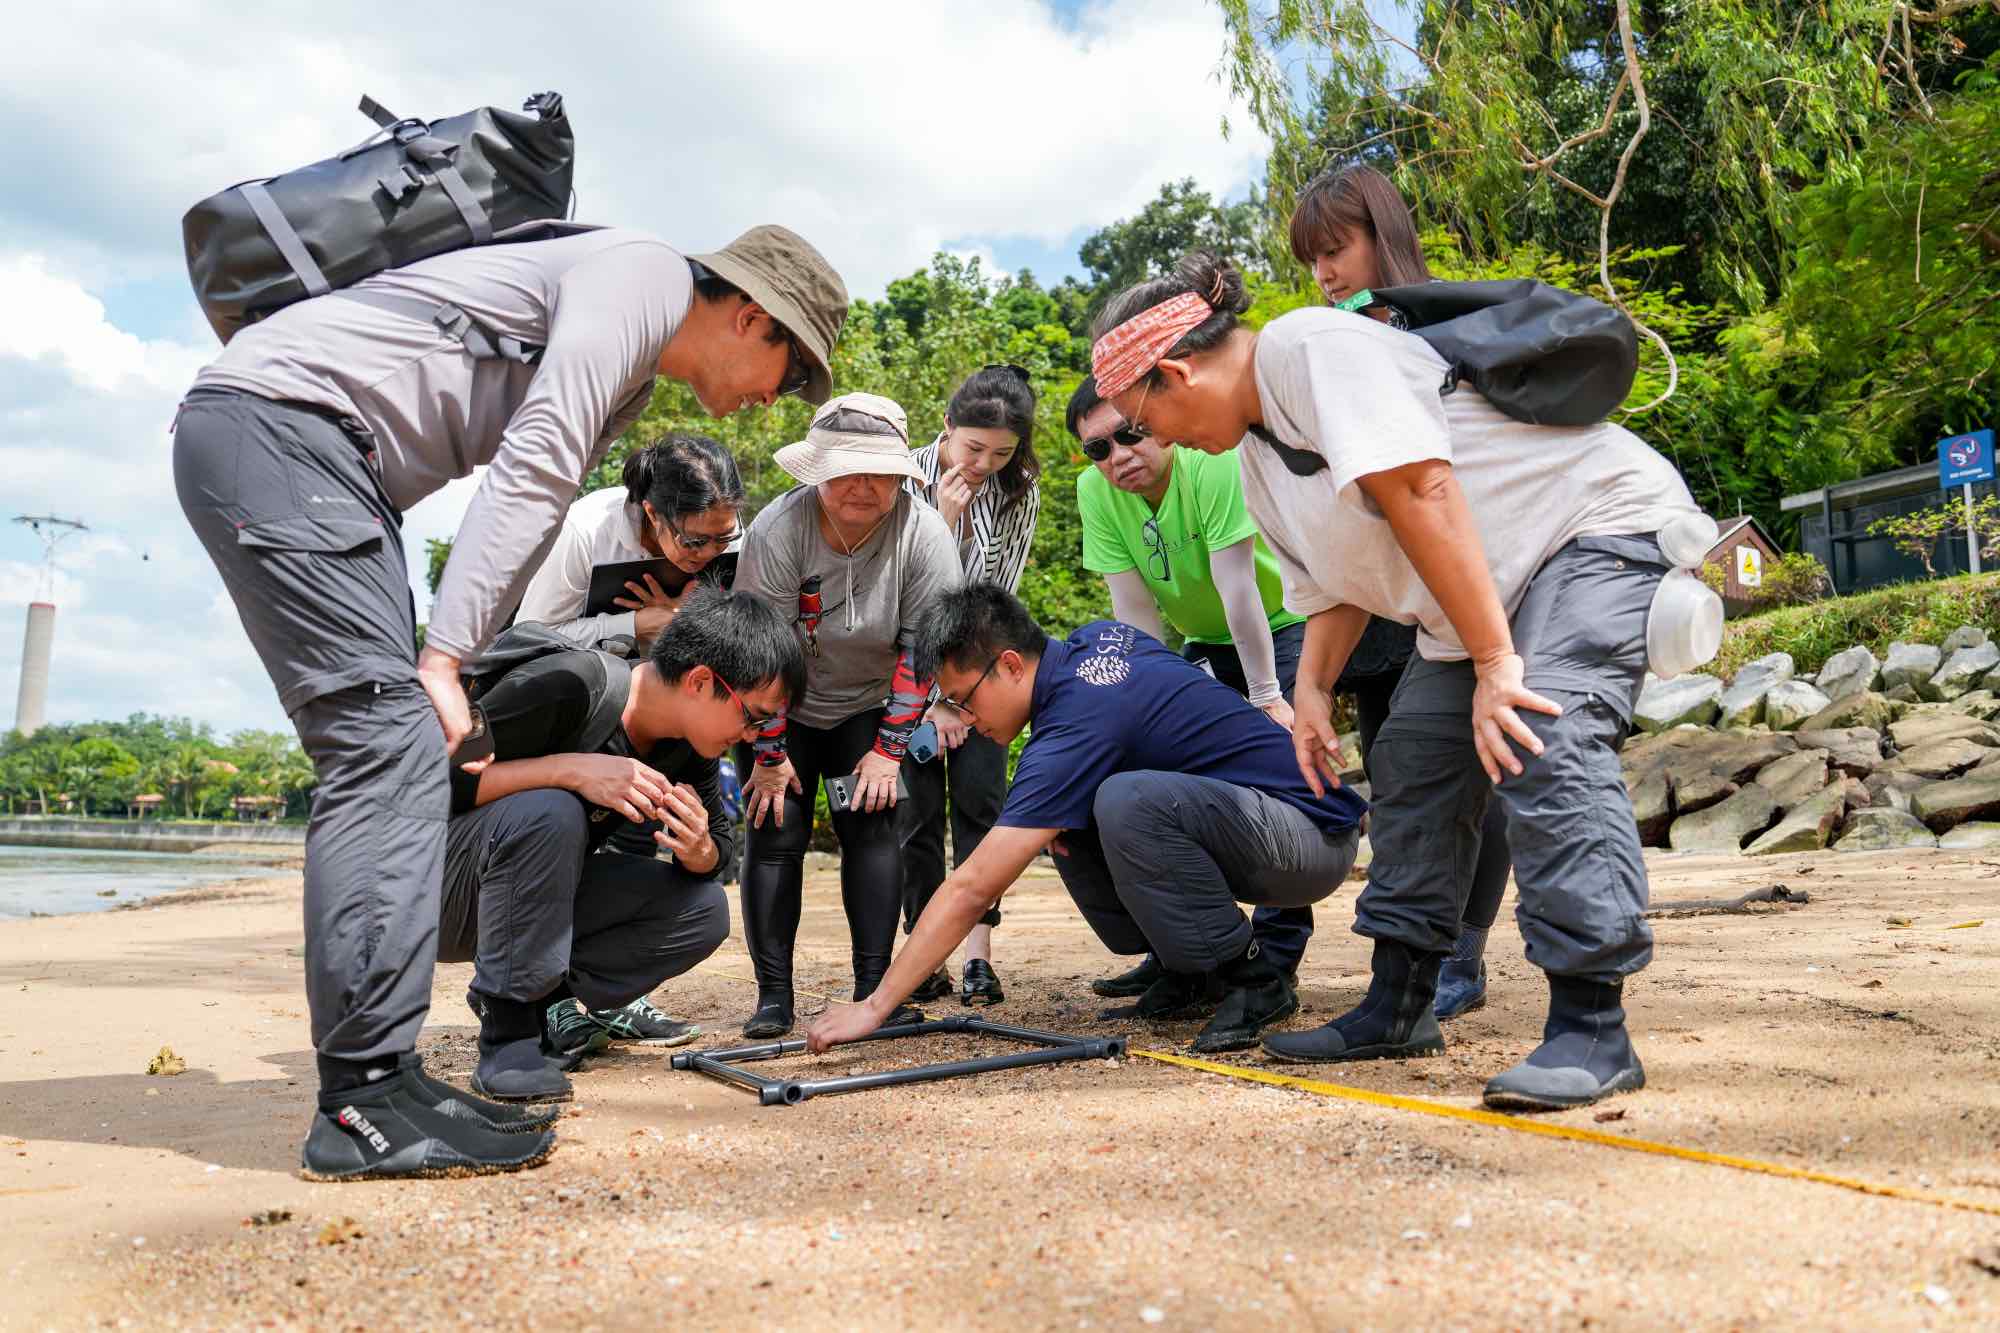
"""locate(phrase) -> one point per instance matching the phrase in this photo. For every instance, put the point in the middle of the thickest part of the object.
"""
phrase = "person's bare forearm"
(517, 775)
(1433, 524)
(1330, 638)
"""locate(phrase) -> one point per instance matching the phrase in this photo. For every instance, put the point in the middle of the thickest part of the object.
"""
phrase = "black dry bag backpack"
(1538, 353)
(413, 190)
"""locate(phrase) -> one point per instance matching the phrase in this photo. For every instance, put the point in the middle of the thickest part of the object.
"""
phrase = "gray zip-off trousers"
(1578, 871)
(289, 508)
(528, 905)
(1168, 857)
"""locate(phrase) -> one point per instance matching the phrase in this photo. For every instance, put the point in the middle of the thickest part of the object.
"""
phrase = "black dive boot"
(1173, 995)
(459, 1104)
(1585, 1052)
(865, 984)
(1256, 994)
(1133, 982)
(774, 1017)
(1392, 1022)
(512, 1067)
(389, 1129)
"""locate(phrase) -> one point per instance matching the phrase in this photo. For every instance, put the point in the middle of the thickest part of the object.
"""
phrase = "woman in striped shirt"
(981, 475)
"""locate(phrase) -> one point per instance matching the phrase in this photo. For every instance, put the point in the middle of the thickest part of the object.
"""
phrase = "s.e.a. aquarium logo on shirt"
(1110, 662)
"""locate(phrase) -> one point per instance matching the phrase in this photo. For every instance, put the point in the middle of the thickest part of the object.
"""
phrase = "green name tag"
(1361, 300)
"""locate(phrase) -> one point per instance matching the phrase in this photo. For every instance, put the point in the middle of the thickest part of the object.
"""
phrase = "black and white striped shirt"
(995, 548)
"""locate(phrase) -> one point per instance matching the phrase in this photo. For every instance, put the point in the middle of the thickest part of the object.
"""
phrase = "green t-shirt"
(1202, 511)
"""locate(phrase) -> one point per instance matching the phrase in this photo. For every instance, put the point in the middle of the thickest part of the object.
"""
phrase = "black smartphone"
(476, 744)
(840, 791)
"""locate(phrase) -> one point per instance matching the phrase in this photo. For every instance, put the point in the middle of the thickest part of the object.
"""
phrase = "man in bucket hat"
(296, 454)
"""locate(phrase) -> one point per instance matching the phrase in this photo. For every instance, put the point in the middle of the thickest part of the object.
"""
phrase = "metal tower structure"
(31, 704)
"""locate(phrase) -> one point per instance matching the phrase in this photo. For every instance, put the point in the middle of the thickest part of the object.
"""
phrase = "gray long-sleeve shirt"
(603, 304)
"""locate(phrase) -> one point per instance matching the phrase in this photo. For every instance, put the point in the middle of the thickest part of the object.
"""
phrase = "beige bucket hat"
(779, 270)
(854, 434)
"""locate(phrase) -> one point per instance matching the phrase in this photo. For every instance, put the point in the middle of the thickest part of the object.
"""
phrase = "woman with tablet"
(678, 511)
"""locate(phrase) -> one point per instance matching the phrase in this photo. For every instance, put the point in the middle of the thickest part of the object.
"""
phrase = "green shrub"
(1915, 612)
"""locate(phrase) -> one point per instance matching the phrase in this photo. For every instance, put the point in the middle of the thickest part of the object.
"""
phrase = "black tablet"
(607, 582)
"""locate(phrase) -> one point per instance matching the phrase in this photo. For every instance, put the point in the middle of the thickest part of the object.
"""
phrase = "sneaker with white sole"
(568, 1034)
(643, 1024)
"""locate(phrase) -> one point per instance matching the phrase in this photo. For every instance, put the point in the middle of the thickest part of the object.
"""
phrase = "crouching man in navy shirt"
(1167, 797)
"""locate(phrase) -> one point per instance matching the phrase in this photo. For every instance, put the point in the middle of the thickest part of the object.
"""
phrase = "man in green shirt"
(1173, 539)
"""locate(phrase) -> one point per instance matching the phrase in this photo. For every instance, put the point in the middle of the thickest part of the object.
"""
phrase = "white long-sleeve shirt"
(601, 528)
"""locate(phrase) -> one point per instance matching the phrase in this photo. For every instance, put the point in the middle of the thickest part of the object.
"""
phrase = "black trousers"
(977, 772)
(871, 863)
(1489, 872)
(528, 904)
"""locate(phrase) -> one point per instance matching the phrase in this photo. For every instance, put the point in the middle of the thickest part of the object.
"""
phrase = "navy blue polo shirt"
(1111, 699)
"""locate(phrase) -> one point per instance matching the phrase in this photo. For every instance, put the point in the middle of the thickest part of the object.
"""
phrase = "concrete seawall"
(131, 835)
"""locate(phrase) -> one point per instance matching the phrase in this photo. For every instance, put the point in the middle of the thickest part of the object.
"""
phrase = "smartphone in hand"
(476, 744)
(840, 792)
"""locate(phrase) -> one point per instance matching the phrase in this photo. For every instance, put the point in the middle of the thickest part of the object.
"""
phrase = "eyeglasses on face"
(697, 542)
(751, 721)
(799, 373)
(1099, 449)
(965, 705)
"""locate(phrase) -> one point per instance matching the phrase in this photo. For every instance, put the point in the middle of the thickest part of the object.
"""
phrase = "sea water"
(62, 879)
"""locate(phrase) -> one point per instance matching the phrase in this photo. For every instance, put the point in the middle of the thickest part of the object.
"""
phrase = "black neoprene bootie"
(774, 1016)
(1173, 995)
(512, 1067)
(1393, 1021)
(390, 1130)
(1256, 993)
(1129, 983)
(459, 1104)
(1585, 1054)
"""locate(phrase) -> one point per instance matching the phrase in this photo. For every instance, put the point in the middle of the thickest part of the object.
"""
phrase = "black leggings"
(1489, 873)
(871, 866)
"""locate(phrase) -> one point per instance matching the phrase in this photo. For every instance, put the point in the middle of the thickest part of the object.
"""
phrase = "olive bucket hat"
(779, 270)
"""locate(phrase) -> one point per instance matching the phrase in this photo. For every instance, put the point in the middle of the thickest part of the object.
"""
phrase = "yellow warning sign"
(1749, 566)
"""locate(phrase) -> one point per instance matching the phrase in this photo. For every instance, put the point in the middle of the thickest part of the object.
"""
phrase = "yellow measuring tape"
(1523, 1125)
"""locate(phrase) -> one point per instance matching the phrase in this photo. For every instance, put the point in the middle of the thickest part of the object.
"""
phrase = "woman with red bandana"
(1528, 556)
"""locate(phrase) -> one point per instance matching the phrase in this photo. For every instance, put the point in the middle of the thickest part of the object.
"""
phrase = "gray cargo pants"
(529, 906)
(1168, 857)
(1581, 629)
(288, 506)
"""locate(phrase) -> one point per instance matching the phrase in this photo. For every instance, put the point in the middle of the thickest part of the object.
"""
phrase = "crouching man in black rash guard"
(552, 884)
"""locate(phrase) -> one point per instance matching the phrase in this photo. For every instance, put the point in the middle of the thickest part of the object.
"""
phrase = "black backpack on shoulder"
(410, 191)
(531, 641)
(1536, 352)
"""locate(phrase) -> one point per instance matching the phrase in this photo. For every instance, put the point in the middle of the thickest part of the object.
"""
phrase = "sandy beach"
(1080, 1196)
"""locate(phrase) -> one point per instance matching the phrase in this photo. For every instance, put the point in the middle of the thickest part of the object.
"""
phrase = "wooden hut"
(1744, 551)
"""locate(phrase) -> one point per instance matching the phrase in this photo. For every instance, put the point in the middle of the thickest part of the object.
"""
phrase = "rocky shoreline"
(1867, 755)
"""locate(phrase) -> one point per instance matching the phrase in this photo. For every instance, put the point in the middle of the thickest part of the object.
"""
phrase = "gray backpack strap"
(480, 343)
(421, 146)
(285, 238)
(607, 716)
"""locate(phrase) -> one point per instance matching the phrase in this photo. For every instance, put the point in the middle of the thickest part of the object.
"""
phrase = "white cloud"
(882, 132)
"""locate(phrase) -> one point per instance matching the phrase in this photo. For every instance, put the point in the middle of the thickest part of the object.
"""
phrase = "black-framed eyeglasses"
(1156, 549)
(698, 542)
(1099, 449)
(965, 705)
(751, 721)
(799, 373)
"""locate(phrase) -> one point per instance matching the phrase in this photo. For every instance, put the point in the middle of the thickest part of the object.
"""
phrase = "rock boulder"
(1742, 703)
(1962, 672)
(1807, 828)
(1850, 671)
(1855, 751)
(1670, 703)
(1725, 827)
(1882, 831)
(1867, 709)
(1945, 805)
(1789, 704)
(1911, 664)
(1794, 778)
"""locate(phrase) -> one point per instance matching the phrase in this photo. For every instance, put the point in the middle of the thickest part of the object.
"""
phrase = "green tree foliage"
(100, 767)
(1810, 220)
(1182, 218)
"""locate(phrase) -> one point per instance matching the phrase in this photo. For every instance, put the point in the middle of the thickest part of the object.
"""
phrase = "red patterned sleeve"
(908, 697)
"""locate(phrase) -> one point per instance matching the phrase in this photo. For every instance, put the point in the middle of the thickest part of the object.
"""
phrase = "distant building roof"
(1881, 486)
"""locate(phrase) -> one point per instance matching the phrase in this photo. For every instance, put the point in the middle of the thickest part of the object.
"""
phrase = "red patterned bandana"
(1121, 356)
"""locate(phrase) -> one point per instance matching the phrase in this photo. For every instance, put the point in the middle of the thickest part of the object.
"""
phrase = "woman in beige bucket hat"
(855, 559)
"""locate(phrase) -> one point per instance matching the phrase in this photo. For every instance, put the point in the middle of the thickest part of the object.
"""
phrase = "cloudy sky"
(883, 132)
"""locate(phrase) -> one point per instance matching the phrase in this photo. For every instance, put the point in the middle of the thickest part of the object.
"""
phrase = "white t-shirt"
(601, 528)
(1365, 396)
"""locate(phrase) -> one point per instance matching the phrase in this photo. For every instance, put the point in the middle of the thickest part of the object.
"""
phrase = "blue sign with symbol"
(1965, 458)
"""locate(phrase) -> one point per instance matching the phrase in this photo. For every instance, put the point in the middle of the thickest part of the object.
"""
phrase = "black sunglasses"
(799, 373)
(1099, 449)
